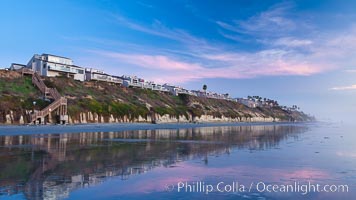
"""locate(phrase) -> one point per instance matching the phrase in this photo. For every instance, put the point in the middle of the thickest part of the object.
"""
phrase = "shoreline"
(117, 127)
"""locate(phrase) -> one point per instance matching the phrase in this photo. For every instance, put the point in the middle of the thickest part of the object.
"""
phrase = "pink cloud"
(283, 56)
(233, 66)
(154, 62)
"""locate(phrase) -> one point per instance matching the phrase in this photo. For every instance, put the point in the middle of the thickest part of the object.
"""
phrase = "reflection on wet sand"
(50, 166)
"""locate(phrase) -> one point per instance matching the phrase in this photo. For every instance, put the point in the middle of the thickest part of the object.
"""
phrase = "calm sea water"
(215, 162)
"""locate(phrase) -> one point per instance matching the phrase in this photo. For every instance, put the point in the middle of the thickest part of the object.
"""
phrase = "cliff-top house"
(52, 66)
(98, 75)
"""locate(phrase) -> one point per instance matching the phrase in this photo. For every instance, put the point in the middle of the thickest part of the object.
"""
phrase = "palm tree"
(205, 87)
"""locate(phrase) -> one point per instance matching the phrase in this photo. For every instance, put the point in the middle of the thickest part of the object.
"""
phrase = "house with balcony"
(175, 90)
(52, 66)
(148, 85)
(154, 86)
(198, 93)
(213, 95)
(98, 75)
(158, 87)
(133, 81)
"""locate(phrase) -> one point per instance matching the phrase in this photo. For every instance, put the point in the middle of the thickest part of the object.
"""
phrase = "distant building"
(154, 86)
(247, 102)
(215, 95)
(158, 87)
(133, 81)
(212, 95)
(52, 66)
(197, 93)
(97, 75)
(175, 90)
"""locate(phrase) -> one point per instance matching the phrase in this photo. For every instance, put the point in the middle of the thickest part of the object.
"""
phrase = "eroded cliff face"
(14, 117)
(89, 117)
(18, 118)
(166, 118)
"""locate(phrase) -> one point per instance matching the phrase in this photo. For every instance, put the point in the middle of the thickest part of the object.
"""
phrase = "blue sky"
(297, 52)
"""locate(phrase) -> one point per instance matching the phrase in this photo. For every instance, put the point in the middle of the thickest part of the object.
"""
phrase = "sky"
(296, 52)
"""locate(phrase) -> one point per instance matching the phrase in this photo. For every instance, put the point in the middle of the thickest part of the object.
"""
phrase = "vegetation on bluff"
(18, 95)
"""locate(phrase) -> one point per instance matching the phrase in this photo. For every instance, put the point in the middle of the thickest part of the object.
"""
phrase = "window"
(44, 66)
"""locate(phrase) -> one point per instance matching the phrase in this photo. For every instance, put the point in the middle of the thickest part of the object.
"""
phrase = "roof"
(17, 64)
(46, 54)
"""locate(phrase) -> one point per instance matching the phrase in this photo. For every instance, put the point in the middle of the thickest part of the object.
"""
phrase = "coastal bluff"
(100, 102)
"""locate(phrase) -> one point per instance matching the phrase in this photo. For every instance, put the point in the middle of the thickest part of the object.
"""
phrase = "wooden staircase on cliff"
(59, 105)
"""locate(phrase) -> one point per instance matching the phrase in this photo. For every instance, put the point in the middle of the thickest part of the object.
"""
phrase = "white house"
(133, 81)
(175, 90)
(154, 86)
(198, 93)
(98, 75)
(52, 66)
(248, 102)
(158, 87)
